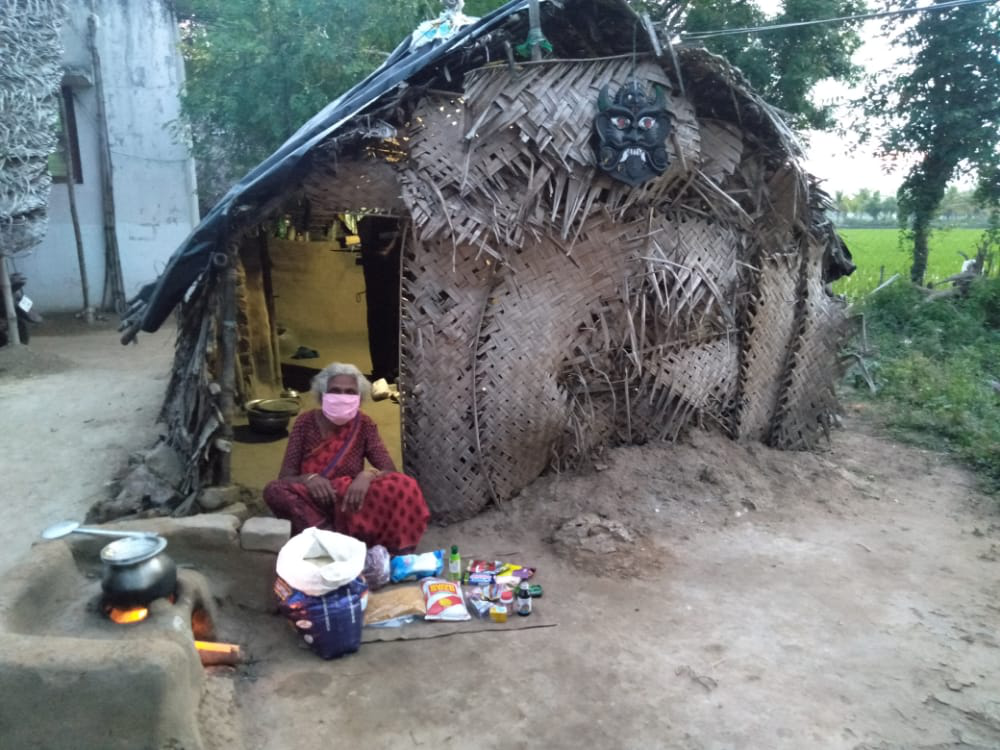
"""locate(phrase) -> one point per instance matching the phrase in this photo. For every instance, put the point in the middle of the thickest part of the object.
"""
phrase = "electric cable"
(695, 35)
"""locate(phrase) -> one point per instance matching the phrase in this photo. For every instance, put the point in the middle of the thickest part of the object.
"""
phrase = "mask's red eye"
(621, 123)
(646, 123)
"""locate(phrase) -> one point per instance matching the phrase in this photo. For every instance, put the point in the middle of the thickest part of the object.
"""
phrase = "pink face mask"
(340, 408)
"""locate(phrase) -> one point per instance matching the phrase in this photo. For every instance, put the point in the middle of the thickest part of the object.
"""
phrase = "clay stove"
(133, 681)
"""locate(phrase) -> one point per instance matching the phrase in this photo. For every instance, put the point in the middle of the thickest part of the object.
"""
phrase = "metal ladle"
(65, 528)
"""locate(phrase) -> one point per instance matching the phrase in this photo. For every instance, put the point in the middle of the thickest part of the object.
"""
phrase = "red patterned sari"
(394, 513)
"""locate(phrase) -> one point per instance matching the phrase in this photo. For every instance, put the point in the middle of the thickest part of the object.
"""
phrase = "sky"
(838, 158)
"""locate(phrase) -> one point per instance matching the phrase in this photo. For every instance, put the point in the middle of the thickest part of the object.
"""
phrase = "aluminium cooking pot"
(136, 571)
(271, 415)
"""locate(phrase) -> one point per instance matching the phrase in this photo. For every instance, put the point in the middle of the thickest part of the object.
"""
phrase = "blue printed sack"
(331, 624)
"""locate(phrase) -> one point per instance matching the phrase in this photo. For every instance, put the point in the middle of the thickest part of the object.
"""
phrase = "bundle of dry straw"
(30, 73)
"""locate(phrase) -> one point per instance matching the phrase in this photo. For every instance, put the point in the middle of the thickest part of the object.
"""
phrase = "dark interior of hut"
(317, 289)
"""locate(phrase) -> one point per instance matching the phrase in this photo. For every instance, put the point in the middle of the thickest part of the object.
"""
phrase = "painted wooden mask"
(632, 132)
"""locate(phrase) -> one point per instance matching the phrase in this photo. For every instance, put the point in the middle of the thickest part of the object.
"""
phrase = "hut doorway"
(333, 296)
(337, 300)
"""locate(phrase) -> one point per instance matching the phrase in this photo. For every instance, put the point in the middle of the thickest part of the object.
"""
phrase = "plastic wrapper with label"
(415, 567)
(444, 600)
(395, 602)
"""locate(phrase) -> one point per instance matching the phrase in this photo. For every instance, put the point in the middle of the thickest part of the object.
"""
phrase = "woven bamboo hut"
(556, 298)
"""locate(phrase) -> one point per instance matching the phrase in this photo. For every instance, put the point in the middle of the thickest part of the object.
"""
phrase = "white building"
(155, 203)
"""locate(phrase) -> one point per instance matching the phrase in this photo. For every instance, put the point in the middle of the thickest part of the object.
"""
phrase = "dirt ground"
(75, 403)
(842, 599)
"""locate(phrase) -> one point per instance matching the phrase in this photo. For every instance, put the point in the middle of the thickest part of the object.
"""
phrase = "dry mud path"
(841, 599)
(845, 599)
(74, 404)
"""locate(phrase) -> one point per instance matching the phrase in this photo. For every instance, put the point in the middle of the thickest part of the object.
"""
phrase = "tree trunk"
(921, 231)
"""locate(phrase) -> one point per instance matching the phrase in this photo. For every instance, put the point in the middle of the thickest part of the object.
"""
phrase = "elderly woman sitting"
(323, 481)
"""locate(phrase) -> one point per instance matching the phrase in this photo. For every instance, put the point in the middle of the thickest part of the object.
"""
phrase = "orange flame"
(127, 616)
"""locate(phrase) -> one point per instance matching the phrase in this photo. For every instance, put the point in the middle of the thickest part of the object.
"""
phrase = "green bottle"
(455, 565)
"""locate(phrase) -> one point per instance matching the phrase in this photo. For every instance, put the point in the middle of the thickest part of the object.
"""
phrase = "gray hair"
(332, 370)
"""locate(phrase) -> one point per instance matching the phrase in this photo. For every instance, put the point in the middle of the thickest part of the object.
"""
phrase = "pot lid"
(133, 550)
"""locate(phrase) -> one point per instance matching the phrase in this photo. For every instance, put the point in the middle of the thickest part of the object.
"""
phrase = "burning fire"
(127, 616)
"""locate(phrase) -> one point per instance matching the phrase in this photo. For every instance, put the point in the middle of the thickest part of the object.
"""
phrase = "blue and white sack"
(320, 590)
(330, 624)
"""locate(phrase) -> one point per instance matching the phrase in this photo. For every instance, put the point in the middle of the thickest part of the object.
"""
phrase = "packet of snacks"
(444, 600)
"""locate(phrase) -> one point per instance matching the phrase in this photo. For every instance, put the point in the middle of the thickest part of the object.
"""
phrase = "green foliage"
(258, 69)
(784, 65)
(937, 362)
(874, 248)
(945, 108)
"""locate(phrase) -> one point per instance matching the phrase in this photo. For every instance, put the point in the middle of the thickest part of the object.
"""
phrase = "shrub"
(936, 362)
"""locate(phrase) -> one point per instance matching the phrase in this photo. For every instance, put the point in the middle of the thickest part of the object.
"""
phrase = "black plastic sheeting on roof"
(194, 255)
(578, 28)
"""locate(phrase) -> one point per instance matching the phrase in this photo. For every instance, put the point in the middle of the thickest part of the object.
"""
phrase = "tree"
(890, 207)
(873, 206)
(945, 108)
(784, 65)
(258, 69)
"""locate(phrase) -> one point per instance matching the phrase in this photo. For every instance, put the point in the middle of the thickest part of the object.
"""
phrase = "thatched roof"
(30, 72)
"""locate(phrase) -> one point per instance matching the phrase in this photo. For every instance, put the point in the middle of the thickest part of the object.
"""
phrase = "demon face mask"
(631, 133)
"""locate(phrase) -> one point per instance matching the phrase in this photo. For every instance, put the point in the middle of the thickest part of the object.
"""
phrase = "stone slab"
(213, 498)
(265, 534)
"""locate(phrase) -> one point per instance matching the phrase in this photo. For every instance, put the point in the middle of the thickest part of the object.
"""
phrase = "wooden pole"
(227, 397)
(535, 34)
(8, 303)
(88, 311)
(114, 291)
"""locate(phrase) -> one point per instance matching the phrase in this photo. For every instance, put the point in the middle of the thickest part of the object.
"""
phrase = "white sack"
(341, 560)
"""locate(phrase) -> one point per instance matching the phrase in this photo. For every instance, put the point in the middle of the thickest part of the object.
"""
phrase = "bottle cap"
(454, 549)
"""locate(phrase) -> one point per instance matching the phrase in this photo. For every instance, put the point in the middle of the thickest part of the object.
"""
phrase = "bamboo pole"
(88, 311)
(227, 397)
(114, 286)
(535, 34)
(8, 303)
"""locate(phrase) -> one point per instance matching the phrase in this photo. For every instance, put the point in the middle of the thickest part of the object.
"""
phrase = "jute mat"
(423, 629)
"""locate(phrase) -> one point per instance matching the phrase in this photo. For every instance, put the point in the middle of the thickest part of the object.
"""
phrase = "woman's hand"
(355, 496)
(319, 488)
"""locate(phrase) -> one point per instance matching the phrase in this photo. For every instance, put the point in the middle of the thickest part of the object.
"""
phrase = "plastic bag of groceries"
(376, 570)
(331, 623)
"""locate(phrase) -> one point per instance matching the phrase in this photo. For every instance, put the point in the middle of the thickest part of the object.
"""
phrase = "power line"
(857, 17)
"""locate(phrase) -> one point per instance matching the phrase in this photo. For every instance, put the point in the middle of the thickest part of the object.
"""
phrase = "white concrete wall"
(155, 193)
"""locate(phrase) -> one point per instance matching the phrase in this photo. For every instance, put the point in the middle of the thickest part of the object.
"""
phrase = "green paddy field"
(874, 248)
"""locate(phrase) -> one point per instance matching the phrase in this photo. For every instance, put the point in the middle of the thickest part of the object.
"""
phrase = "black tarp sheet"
(156, 300)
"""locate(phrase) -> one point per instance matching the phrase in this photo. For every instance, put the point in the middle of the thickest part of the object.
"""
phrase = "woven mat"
(422, 629)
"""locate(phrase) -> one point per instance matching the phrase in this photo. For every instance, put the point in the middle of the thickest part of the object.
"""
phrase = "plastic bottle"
(524, 599)
(455, 565)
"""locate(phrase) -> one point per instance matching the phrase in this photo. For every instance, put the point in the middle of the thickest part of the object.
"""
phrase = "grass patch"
(874, 248)
(934, 366)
